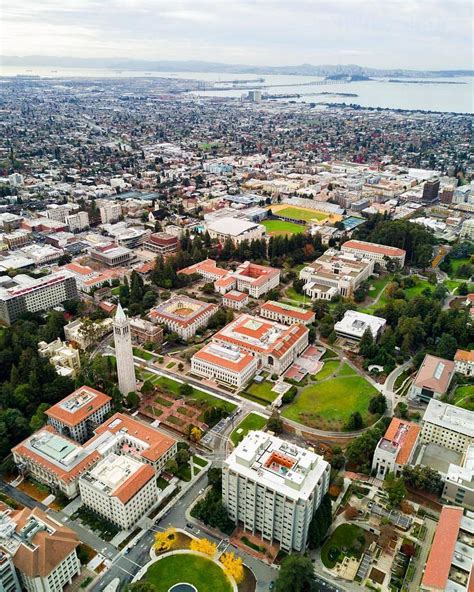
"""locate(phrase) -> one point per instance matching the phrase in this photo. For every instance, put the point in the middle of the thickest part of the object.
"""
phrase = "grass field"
(453, 285)
(143, 353)
(328, 369)
(167, 384)
(329, 404)
(202, 573)
(456, 264)
(418, 288)
(328, 354)
(262, 391)
(277, 227)
(251, 422)
(300, 214)
(464, 397)
(345, 540)
(292, 294)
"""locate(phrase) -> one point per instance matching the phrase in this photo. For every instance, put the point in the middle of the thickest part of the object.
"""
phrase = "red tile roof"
(426, 377)
(134, 483)
(77, 415)
(464, 356)
(442, 550)
(374, 248)
(299, 314)
(207, 356)
(404, 434)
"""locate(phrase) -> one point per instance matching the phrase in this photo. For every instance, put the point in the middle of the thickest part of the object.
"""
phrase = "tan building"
(235, 229)
(227, 364)
(286, 314)
(464, 362)
(63, 357)
(143, 331)
(42, 549)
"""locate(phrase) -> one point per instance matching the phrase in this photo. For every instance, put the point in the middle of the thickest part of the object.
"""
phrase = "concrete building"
(430, 191)
(110, 213)
(17, 239)
(467, 230)
(274, 346)
(449, 567)
(458, 480)
(112, 255)
(144, 331)
(161, 243)
(42, 550)
(255, 280)
(124, 353)
(354, 324)
(83, 334)
(26, 294)
(119, 488)
(273, 489)
(42, 254)
(334, 274)
(183, 315)
(235, 229)
(464, 362)
(286, 314)
(65, 359)
(80, 413)
(433, 379)
(396, 448)
(9, 581)
(78, 222)
(448, 426)
(378, 253)
(227, 364)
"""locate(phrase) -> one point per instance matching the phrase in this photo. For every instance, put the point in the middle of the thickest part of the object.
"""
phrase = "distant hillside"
(210, 67)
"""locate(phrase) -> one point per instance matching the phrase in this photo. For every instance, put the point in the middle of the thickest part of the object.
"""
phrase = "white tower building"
(124, 353)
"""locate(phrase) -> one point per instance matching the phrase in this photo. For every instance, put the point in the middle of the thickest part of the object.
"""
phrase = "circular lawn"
(202, 573)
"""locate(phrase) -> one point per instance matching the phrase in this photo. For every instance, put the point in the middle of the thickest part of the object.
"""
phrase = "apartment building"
(334, 274)
(17, 239)
(354, 324)
(78, 222)
(161, 243)
(80, 413)
(286, 314)
(143, 331)
(235, 229)
(41, 549)
(464, 362)
(119, 488)
(450, 563)
(433, 379)
(183, 315)
(58, 212)
(224, 363)
(112, 255)
(380, 254)
(26, 294)
(396, 448)
(273, 489)
(110, 213)
(274, 346)
(65, 359)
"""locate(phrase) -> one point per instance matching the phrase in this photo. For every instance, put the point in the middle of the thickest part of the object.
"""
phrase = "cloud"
(384, 33)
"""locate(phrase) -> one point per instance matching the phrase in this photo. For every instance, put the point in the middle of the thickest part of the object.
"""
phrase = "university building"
(183, 315)
(375, 252)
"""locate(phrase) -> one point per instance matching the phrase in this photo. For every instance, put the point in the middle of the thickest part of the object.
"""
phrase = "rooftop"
(181, 309)
(299, 314)
(450, 417)
(356, 323)
(78, 406)
(226, 356)
(435, 374)
(233, 226)
(374, 248)
(400, 437)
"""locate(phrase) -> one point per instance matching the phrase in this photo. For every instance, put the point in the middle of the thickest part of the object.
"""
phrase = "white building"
(286, 314)
(448, 426)
(274, 346)
(335, 273)
(78, 222)
(65, 359)
(119, 488)
(124, 353)
(226, 364)
(235, 300)
(273, 489)
(78, 415)
(255, 280)
(377, 253)
(467, 230)
(42, 254)
(396, 448)
(110, 212)
(464, 362)
(236, 229)
(112, 256)
(183, 315)
(42, 550)
(354, 324)
(26, 294)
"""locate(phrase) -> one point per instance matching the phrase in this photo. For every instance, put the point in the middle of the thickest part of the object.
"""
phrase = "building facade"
(226, 364)
(144, 331)
(378, 253)
(396, 448)
(286, 314)
(65, 359)
(183, 315)
(464, 362)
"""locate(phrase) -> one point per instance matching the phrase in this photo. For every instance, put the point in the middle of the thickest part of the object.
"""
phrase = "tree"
(463, 289)
(320, 523)
(296, 574)
(275, 423)
(203, 546)
(132, 400)
(378, 404)
(350, 512)
(367, 346)
(195, 434)
(395, 488)
(171, 466)
(233, 566)
(423, 477)
(447, 346)
(39, 418)
(401, 410)
(355, 422)
(164, 540)
(141, 586)
(387, 535)
(182, 456)
(185, 389)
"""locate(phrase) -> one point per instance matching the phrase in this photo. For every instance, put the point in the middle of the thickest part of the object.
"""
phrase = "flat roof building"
(65, 359)
(448, 426)
(235, 229)
(273, 488)
(354, 324)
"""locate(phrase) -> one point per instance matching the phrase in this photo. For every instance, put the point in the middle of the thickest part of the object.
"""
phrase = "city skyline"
(424, 34)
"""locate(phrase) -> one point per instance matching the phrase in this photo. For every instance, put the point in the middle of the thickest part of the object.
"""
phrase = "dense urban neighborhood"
(236, 342)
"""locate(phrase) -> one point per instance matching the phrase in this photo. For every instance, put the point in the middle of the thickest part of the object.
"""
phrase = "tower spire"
(124, 353)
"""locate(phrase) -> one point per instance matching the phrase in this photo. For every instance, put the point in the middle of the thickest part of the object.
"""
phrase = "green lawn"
(262, 391)
(292, 294)
(300, 214)
(167, 384)
(418, 288)
(328, 369)
(377, 285)
(464, 397)
(456, 264)
(202, 573)
(116, 290)
(276, 227)
(329, 404)
(453, 285)
(198, 460)
(328, 354)
(251, 422)
(143, 354)
(346, 370)
(347, 539)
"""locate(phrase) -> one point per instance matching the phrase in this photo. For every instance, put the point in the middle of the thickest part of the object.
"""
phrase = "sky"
(415, 34)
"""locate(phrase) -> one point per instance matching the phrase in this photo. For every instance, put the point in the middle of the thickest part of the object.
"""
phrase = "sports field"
(282, 227)
(300, 213)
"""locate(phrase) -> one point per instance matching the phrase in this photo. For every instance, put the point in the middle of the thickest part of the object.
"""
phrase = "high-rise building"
(430, 190)
(124, 353)
(273, 488)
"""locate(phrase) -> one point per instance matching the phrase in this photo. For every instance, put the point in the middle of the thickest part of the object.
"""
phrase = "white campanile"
(124, 353)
